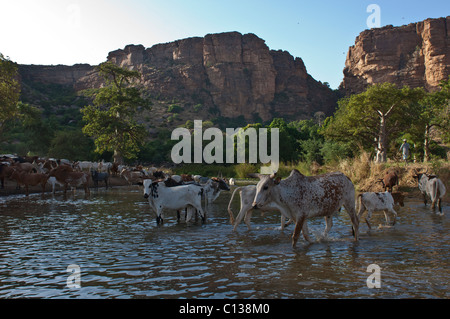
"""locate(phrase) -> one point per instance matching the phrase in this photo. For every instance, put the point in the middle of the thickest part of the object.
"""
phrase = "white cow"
(301, 197)
(176, 198)
(432, 187)
(247, 194)
(371, 202)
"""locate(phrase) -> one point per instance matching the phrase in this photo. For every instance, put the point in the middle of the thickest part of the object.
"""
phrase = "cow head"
(222, 184)
(423, 179)
(264, 189)
(147, 187)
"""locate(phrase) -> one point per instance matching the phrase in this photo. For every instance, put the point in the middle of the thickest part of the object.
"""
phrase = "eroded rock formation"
(417, 55)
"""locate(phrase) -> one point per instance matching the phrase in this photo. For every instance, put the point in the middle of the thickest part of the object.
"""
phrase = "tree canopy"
(9, 90)
(110, 120)
(370, 118)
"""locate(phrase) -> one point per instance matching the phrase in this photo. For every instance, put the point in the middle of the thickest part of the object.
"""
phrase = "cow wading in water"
(301, 197)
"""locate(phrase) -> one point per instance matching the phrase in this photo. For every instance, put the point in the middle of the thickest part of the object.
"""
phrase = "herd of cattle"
(297, 197)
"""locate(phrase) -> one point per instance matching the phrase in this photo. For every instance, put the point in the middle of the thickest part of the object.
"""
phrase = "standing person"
(405, 150)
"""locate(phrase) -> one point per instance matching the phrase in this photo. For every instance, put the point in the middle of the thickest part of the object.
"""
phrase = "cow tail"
(229, 206)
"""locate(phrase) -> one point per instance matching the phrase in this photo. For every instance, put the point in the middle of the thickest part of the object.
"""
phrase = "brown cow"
(5, 171)
(389, 181)
(399, 198)
(26, 167)
(30, 179)
(65, 175)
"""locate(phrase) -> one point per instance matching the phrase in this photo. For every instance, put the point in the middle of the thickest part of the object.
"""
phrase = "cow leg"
(26, 189)
(440, 206)
(425, 199)
(305, 232)
(329, 224)
(283, 221)
(350, 208)
(369, 215)
(243, 212)
(288, 223)
(248, 216)
(190, 211)
(386, 216)
(297, 230)
(433, 204)
(395, 215)
(159, 219)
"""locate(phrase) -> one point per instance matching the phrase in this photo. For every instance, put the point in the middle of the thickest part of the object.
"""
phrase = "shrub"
(174, 108)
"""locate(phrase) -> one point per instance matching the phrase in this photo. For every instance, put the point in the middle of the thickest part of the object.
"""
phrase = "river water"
(120, 251)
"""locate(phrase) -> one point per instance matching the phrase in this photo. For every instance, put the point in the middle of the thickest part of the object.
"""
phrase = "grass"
(362, 171)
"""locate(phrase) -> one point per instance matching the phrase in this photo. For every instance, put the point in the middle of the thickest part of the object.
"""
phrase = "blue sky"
(84, 31)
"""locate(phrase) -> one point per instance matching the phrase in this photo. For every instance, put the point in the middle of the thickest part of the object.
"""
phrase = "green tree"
(111, 118)
(9, 91)
(289, 136)
(435, 113)
(372, 117)
(73, 145)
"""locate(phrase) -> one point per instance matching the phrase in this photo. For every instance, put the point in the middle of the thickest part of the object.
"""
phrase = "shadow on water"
(122, 253)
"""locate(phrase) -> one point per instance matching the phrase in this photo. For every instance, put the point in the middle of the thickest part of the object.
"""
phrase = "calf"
(431, 187)
(389, 180)
(371, 202)
(30, 179)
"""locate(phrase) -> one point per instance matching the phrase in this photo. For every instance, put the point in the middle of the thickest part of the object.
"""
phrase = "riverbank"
(10, 187)
(361, 170)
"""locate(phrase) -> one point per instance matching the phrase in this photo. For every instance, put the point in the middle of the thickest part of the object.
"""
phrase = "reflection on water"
(122, 253)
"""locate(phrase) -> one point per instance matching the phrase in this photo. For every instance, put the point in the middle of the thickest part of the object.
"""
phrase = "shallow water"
(122, 253)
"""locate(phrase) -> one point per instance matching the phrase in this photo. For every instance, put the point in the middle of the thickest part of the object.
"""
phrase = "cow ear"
(277, 180)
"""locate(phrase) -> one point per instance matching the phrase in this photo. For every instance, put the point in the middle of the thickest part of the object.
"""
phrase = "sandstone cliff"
(417, 54)
(229, 74)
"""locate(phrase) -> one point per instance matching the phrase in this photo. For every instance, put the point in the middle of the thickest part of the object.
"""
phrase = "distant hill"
(218, 77)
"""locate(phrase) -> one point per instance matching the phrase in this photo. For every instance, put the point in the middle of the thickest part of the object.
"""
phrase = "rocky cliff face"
(417, 54)
(230, 74)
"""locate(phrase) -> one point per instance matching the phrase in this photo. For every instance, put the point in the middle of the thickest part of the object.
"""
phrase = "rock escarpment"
(417, 55)
(229, 74)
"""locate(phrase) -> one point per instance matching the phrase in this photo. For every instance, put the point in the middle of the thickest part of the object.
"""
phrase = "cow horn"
(273, 175)
(254, 175)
